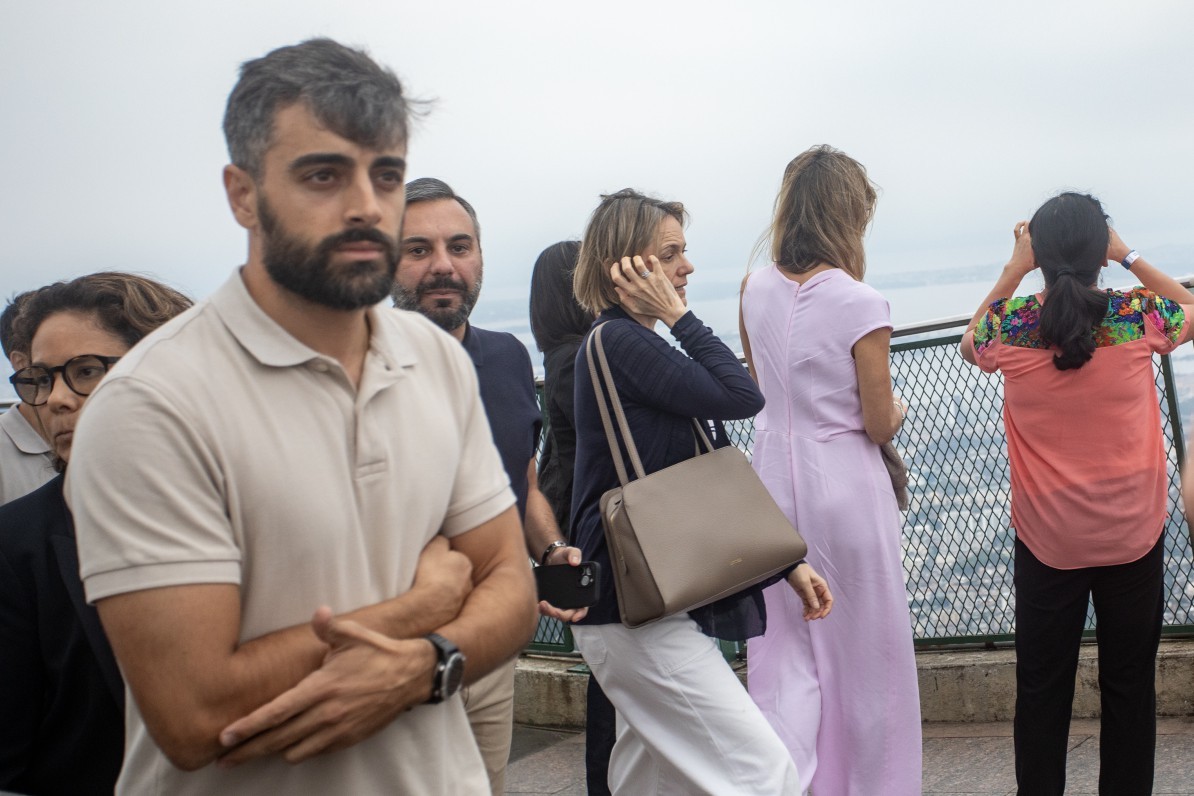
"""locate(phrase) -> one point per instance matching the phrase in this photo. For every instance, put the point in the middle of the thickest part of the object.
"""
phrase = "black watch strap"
(449, 668)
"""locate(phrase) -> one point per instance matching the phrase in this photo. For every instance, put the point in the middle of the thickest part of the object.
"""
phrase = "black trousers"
(1050, 614)
(600, 734)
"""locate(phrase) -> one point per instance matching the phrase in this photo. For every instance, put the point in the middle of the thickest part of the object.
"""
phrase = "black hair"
(555, 316)
(11, 340)
(1069, 241)
(430, 189)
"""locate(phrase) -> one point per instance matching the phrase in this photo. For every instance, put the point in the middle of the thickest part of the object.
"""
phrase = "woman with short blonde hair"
(625, 222)
(685, 724)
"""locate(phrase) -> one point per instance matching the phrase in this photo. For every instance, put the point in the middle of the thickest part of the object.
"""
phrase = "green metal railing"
(956, 538)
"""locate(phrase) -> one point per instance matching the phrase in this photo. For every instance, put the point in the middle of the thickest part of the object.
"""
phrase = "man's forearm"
(339, 704)
(541, 528)
(499, 616)
(497, 621)
(177, 648)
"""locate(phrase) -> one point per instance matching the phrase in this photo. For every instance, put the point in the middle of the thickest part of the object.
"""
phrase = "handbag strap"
(594, 342)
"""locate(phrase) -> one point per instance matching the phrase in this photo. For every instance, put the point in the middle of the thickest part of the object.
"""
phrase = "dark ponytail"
(1069, 242)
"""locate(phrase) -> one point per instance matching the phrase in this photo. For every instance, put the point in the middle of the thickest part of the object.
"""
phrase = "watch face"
(452, 674)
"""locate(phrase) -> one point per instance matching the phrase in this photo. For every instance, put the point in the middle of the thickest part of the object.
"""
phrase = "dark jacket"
(661, 389)
(61, 695)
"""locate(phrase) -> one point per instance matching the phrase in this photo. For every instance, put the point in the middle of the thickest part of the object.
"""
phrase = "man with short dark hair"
(439, 274)
(284, 447)
(26, 461)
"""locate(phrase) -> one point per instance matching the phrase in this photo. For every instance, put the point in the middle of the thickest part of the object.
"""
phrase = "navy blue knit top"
(662, 389)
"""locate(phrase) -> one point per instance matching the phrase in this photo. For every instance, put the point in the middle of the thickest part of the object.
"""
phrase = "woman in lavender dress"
(842, 693)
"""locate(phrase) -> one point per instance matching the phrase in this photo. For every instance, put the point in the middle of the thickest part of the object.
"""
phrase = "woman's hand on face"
(812, 590)
(644, 289)
(1117, 250)
(1022, 260)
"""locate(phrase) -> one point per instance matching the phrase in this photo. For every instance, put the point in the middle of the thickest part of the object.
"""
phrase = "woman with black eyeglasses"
(61, 697)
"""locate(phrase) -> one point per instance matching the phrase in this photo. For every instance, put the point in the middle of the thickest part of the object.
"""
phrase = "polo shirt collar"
(23, 435)
(273, 346)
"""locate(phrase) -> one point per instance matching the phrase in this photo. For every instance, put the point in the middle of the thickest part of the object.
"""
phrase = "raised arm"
(1022, 262)
(710, 382)
(1151, 277)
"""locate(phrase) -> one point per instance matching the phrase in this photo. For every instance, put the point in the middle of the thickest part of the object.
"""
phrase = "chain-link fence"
(957, 536)
(957, 539)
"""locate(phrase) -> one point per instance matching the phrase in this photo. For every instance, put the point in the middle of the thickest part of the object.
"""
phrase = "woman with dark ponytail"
(1089, 482)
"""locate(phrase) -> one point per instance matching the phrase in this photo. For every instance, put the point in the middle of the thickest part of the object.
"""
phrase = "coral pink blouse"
(1088, 475)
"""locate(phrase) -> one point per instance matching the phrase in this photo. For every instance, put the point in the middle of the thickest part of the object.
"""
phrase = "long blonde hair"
(822, 212)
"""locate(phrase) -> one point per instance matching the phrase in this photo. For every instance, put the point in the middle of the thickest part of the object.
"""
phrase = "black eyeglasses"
(82, 374)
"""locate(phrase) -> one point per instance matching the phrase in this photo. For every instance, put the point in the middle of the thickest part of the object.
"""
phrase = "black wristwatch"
(449, 671)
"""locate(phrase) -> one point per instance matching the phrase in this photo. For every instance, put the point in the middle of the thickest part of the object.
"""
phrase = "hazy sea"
(914, 298)
(957, 558)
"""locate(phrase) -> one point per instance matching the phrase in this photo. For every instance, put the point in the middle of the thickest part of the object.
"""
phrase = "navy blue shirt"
(661, 390)
(507, 385)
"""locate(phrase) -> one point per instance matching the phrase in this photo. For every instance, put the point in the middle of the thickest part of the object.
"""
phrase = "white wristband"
(1130, 258)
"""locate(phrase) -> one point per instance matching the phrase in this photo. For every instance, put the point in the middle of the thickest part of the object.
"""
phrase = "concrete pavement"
(959, 758)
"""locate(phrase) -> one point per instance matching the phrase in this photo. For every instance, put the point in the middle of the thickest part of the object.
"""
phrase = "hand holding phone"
(567, 586)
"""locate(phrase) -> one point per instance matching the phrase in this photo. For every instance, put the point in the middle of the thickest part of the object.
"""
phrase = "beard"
(440, 312)
(307, 271)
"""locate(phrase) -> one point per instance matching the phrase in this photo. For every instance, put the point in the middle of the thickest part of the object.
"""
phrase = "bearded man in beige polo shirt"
(287, 445)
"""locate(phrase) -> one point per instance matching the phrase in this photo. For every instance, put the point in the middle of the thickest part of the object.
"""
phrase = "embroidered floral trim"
(1018, 320)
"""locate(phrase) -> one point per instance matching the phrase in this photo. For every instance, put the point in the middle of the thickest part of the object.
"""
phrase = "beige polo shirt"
(25, 461)
(222, 450)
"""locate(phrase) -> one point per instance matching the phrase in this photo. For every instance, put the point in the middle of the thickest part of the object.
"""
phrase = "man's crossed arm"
(321, 686)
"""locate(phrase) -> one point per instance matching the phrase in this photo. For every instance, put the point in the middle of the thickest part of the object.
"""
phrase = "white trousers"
(685, 723)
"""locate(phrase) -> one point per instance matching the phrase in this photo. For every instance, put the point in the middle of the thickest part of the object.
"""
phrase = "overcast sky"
(967, 114)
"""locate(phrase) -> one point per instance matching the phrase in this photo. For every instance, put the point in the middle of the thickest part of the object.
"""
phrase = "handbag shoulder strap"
(594, 342)
(701, 437)
(594, 345)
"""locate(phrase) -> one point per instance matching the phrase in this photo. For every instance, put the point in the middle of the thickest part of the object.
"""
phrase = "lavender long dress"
(841, 691)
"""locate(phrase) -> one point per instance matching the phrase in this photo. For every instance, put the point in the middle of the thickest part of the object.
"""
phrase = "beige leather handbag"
(897, 471)
(689, 534)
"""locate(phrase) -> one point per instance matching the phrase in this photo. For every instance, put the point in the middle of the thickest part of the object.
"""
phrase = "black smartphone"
(567, 586)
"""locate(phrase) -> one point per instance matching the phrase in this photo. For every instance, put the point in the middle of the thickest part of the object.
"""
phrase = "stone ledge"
(969, 686)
